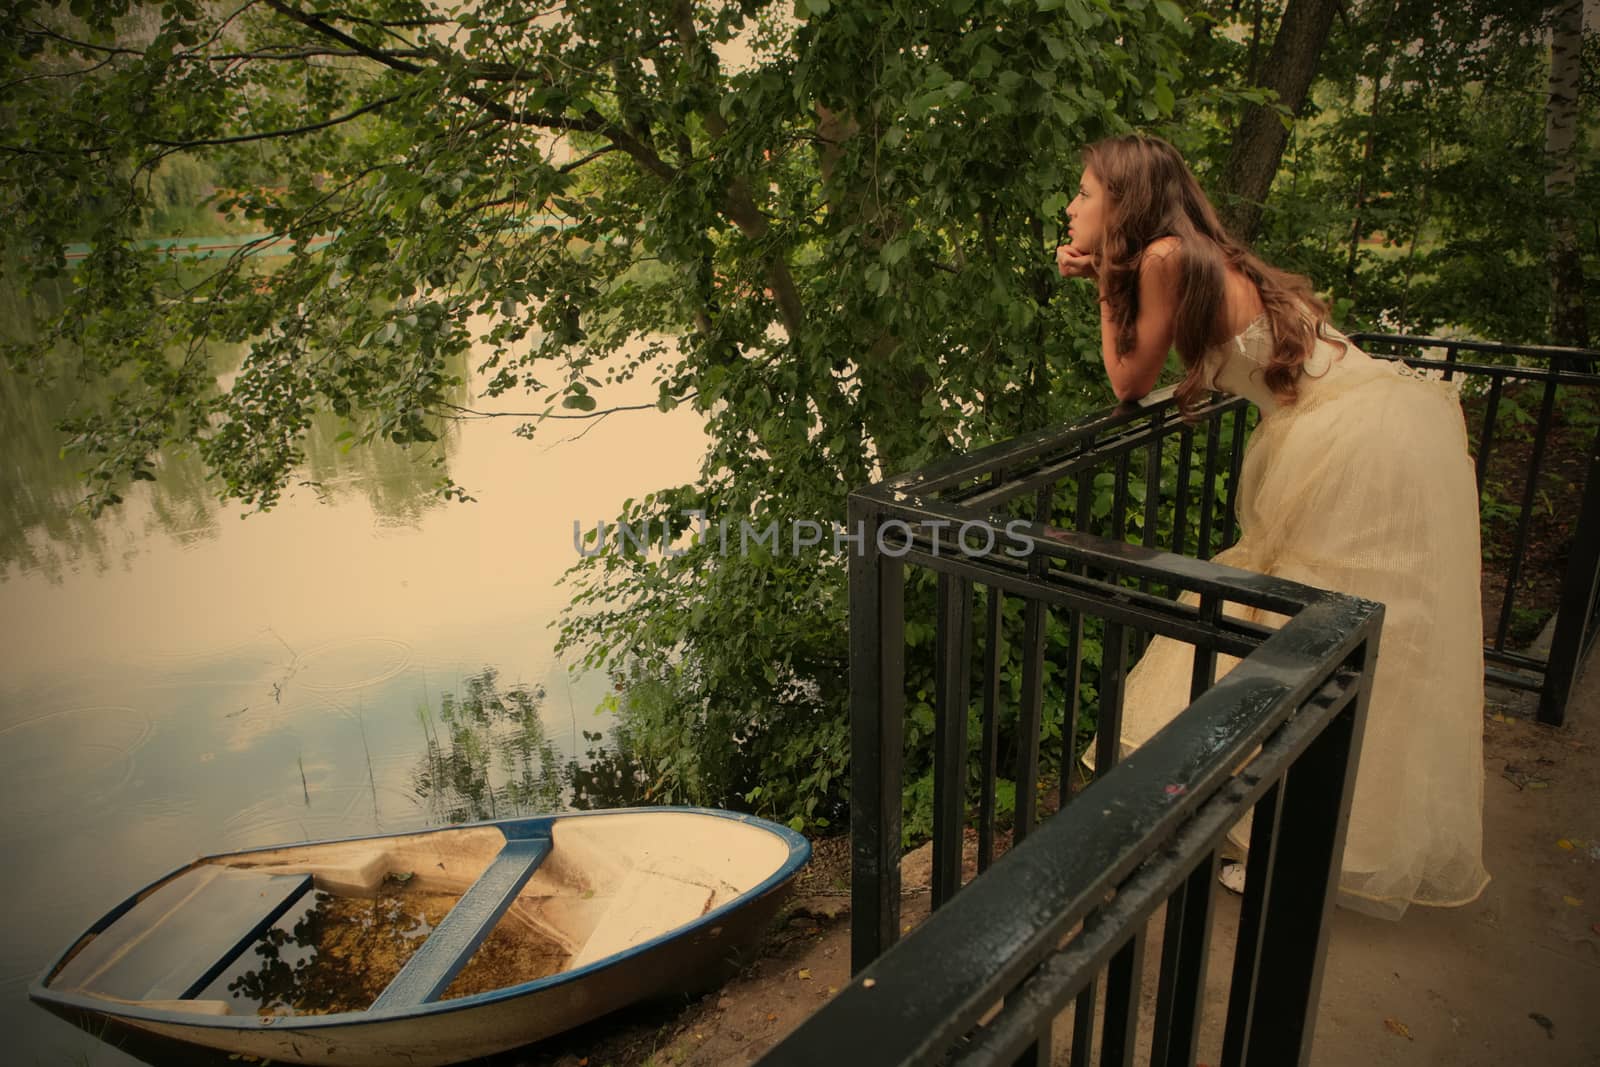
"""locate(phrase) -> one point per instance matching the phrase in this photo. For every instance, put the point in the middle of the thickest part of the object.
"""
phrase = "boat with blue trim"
(432, 947)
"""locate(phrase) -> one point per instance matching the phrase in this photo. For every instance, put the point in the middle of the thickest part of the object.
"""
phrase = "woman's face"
(1086, 213)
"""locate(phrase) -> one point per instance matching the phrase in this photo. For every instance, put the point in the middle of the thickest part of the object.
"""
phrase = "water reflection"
(398, 483)
(332, 954)
(488, 755)
(43, 530)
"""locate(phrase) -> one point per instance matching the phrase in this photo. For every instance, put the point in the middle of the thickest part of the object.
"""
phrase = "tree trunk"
(1259, 140)
(1568, 321)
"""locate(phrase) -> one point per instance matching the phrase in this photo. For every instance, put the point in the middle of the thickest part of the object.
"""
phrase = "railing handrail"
(939, 475)
(1500, 347)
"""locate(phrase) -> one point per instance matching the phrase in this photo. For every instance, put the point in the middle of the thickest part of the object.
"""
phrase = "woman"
(1356, 479)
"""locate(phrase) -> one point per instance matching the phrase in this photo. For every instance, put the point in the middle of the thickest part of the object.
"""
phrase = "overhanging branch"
(206, 142)
(473, 413)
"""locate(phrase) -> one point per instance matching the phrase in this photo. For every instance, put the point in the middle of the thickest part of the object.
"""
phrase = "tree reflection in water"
(336, 953)
(339, 953)
(488, 755)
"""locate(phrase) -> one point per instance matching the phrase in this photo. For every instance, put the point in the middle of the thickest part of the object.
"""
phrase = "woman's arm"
(1133, 374)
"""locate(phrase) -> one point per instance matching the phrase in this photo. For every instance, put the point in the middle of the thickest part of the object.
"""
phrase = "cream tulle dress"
(1364, 485)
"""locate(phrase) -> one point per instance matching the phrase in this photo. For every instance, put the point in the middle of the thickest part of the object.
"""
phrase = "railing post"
(1303, 879)
(1578, 591)
(877, 706)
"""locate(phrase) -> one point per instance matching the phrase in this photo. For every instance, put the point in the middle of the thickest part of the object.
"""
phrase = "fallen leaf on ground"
(1573, 902)
(1544, 1021)
(1564, 843)
(772, 1017)
(805, 975)
(1522, 779)
(1398, 1028)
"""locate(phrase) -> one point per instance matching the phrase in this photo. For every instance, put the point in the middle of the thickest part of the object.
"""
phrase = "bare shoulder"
(1162, 249)
(1158, 265)
(1160, 260)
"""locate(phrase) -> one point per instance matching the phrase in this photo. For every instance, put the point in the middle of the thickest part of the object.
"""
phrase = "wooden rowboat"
(431, 947)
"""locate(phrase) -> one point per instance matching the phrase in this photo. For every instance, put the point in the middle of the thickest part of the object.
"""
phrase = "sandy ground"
(1513, 978)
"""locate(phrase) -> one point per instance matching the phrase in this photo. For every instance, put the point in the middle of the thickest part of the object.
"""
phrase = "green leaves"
(838, 254)
(578, 398)
(1173, 15)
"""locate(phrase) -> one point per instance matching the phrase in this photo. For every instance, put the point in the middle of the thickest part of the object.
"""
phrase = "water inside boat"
(337, 953)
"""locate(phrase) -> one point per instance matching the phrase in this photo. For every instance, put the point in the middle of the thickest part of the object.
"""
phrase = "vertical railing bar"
(1578, 600)
(964, 686)
(1072, 690)
(1252, 927)
(1083, 1025)
(1491, 409)
(1185, 946)
(1180, 509)
(1119, 499)
(1108, 750)
(1113, 679)
(1074, 681)
(1124, 980)
(1204, 674)
(1030, 716)
(991, 727)
(952, 654)
(989, 745)
(1085, 508)
(1541, 436)
(1152, 490)
(877, 714)
(1152, 509)
(1124, 973)
(1235, 467)
(1028, 719)
(1208, 486)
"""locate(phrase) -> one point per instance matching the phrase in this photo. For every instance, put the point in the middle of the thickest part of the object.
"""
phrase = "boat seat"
(647, 904)
(176, 941)
(451, 944)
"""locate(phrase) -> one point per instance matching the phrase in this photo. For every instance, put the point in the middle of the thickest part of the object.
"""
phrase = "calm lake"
(176, 679)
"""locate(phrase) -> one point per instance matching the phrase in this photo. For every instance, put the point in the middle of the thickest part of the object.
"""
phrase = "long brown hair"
(1151, 194)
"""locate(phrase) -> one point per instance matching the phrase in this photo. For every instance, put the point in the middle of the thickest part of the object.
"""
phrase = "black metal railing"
(1069, 599)
(1072, 896)
(1494, 371)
